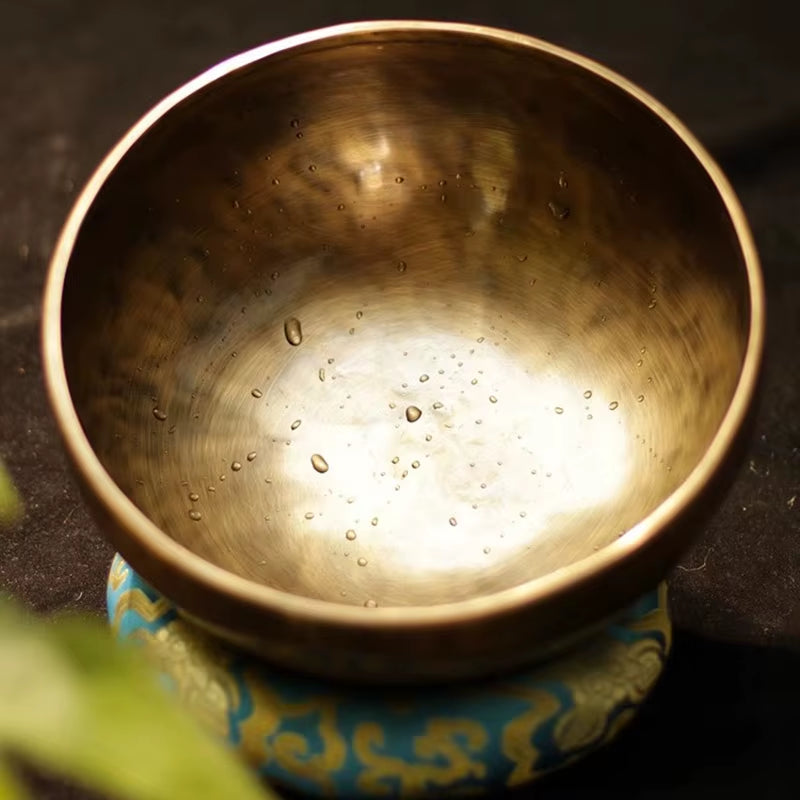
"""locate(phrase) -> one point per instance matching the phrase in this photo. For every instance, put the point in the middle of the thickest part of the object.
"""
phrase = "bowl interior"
(521, 303)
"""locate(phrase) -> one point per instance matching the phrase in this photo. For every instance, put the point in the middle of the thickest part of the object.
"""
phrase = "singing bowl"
(402, 350)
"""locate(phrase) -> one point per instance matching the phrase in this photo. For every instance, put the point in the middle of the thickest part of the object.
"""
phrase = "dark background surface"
(725, 721)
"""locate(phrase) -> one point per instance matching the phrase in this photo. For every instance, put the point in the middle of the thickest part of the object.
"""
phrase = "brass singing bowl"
(289, 255)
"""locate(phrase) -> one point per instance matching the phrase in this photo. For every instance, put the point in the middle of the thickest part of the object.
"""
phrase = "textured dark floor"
(76, 74)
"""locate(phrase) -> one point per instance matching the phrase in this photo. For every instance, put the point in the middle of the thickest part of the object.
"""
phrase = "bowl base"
(327, 739)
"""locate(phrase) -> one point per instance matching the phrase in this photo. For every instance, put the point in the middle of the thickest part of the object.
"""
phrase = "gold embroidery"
(517, 740)
(119, 573)
(200, 670)
(136, 600)
(264, 742)
(436, 743)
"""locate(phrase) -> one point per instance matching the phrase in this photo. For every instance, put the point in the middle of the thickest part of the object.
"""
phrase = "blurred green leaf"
(10, 788)
(10, 504)
(75, 702)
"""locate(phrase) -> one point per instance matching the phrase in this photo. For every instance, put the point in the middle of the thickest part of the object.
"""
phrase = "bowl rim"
(214, 579)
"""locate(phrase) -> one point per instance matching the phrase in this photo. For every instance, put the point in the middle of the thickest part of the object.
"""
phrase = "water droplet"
(340, 207)
(251, 456)
(399, 179)
(413, 413)
(559, 410)
(312, 167)
(474, 381)
(428, 437)
(405, 474)
(483, 486)
(194, 497)
(481, 339)
(373, 521)
(437, 405)
(453, 521)
(319, 463)
(562, 180)
(640, 398)
(588, 394)
(522, 259)
(613, 405)
(200, 298)
(557, 210)
(443, 182)
(423, 378)
(392, 405)
(396, 459)
(295, 123)
(415, 464)
(588, 416)
(487, 550)
(362, 562)
(293, 331)
(159, 414)
(643, 350)
(401, 266)
(296, 424)
(359, 314)
(370, 604)
(321, 373)
(222, 477)
(523, 514)
(236, 466)
(276, 182)
(639, 362)
(351, 331)
(257, 393)
(652, 304)
(478, 421)
(350, 535)
(195, 516)
(299, 134)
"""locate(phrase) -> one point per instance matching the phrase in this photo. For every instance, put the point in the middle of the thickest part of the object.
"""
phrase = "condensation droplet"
(437, 405)
(413, 413)
(340, 207)
(293, 331)
(652, 304)
(276, 182)
(257, 393)
(613, 405)
(373, 521)
(588, 394)
(559, 410)
(296, 424)
(481, 340)
(195, 516)
(487, 550)
(399, 179)
(559, 211)
(640, 398)
(562, 180)
(295, 123)
(639, 362)
(523, 514)
(321, 373)
(402, 266)
(309, 515)
(396, 459)
(350, 535)
(236, 466)
(299, 134)
(474, 381)
(423, 378)
(362, 562)
(428, 437)
(251, 456)
(319, 463)
(370, 604)
(159, 414)
(312, 167)
(194, 497)
(415, 464)
(359, 314)
(453, 521)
